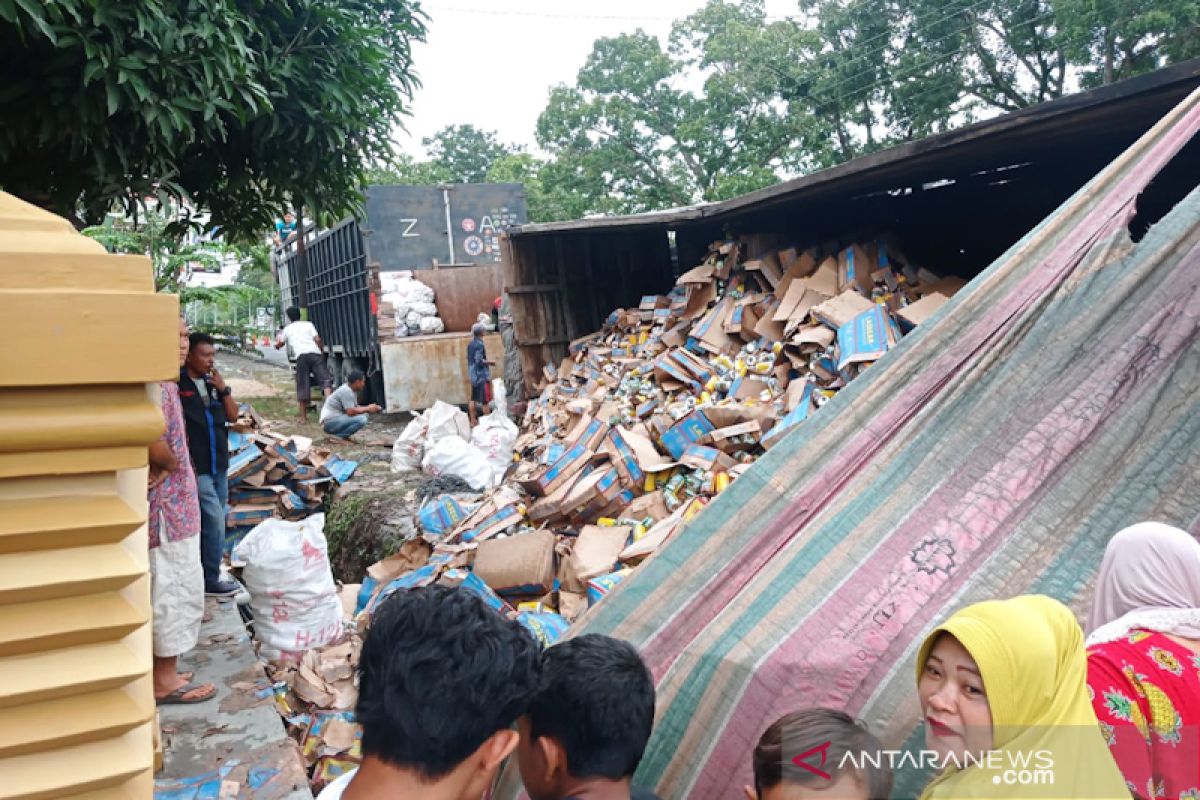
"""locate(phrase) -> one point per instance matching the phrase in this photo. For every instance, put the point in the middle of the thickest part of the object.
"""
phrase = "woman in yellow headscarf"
(1003, 693)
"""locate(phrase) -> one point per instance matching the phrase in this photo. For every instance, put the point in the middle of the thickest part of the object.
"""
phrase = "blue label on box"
(439, 516)
(597, 588)
(688, 430)
(864, 338)
(800, 412)
(690, 365)
(475, 585)
(627, 457)
(493, 519)
(410, 580)
(850, 265)
(340, 468)
(546, 626)
(558, 467)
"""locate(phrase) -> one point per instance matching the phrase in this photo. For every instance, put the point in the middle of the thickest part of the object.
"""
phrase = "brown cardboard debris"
(338, 735)
(571, 605)
(521, 564)
(923, 309)
(842, 309)
(413, 554)
(596, 550)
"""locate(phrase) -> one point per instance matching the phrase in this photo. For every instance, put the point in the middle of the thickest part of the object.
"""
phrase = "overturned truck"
(990, 453)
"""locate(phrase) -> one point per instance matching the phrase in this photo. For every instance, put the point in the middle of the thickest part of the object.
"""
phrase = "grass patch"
(361, 529)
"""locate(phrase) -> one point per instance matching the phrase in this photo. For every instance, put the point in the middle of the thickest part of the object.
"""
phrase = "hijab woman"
(1004, 698)
(1144, 658)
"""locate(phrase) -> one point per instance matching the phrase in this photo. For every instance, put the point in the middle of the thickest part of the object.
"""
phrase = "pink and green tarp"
(1053, 401)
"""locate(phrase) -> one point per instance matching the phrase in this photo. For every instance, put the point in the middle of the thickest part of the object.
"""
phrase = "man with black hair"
(442, 678)
(301, 338)
(341, 415)
(208, 405)
(589, 722)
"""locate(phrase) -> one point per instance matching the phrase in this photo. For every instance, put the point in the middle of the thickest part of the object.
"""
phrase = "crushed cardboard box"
(276, 476)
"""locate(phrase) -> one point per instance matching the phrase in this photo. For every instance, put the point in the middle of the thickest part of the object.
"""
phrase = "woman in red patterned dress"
(1144, 659)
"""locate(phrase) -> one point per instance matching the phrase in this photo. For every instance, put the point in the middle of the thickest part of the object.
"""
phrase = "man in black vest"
(207, 405)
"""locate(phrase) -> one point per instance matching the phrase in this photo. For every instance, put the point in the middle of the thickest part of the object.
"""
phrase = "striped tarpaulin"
(1053, 401)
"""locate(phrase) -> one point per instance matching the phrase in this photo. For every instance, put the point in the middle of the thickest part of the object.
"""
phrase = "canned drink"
(722, 482)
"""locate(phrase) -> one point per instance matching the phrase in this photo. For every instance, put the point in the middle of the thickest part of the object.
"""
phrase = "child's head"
(820, 738)
(590, 718)
(442, 679)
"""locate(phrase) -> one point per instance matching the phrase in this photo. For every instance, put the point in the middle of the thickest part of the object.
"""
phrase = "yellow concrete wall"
(83, 341)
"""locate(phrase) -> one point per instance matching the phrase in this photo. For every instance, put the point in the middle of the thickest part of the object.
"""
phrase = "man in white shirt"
(306, 345)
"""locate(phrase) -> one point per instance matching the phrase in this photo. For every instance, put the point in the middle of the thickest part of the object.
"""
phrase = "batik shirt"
(1145, 690)
(175, 503)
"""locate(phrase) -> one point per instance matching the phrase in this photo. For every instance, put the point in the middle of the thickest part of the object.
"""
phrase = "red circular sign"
(468, 225)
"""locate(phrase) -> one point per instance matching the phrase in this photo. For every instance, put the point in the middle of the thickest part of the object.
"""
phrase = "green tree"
(241, 106)
(464, 153)
(405, 170)
(844, 77)
(548, 198)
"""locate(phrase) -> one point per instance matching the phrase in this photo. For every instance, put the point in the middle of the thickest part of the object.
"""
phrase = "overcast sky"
(491, 63)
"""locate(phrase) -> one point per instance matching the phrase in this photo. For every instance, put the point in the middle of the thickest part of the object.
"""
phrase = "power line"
(553, 15)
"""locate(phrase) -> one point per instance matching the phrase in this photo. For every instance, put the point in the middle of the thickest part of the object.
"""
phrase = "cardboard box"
(842, 309)
(689, 430)
(514, 565)
(588, 431)
(553, 476)
(706, 459)
(596, 550)
(651, 505)
(918, 312)
(855, 267)
(864, 339)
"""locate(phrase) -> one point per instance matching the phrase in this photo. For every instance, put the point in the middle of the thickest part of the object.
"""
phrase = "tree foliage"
(241, 106)
(738, 101)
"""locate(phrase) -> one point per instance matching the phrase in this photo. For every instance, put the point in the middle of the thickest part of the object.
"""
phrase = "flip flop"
(179, 696)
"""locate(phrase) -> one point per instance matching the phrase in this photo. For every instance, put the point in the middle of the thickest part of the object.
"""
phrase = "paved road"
(273, 356)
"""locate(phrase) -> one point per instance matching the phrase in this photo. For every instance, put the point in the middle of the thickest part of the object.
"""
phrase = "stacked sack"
(407, 307)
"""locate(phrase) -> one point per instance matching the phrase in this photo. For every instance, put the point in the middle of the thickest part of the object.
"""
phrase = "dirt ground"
(372, 513)
(271, 390)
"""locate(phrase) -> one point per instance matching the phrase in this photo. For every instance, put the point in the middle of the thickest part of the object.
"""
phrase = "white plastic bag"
(499, 397)
(494, 437)
(457, 457)
(409, 446)
(432, 325)
(407, 288)
(292, 594)
(446, 420)
(424, 309)
(413, 320)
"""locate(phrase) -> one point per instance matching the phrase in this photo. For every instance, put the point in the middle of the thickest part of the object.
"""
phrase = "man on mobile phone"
(208, 405)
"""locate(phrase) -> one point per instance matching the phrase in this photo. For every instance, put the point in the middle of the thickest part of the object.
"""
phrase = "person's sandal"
(180, 695)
